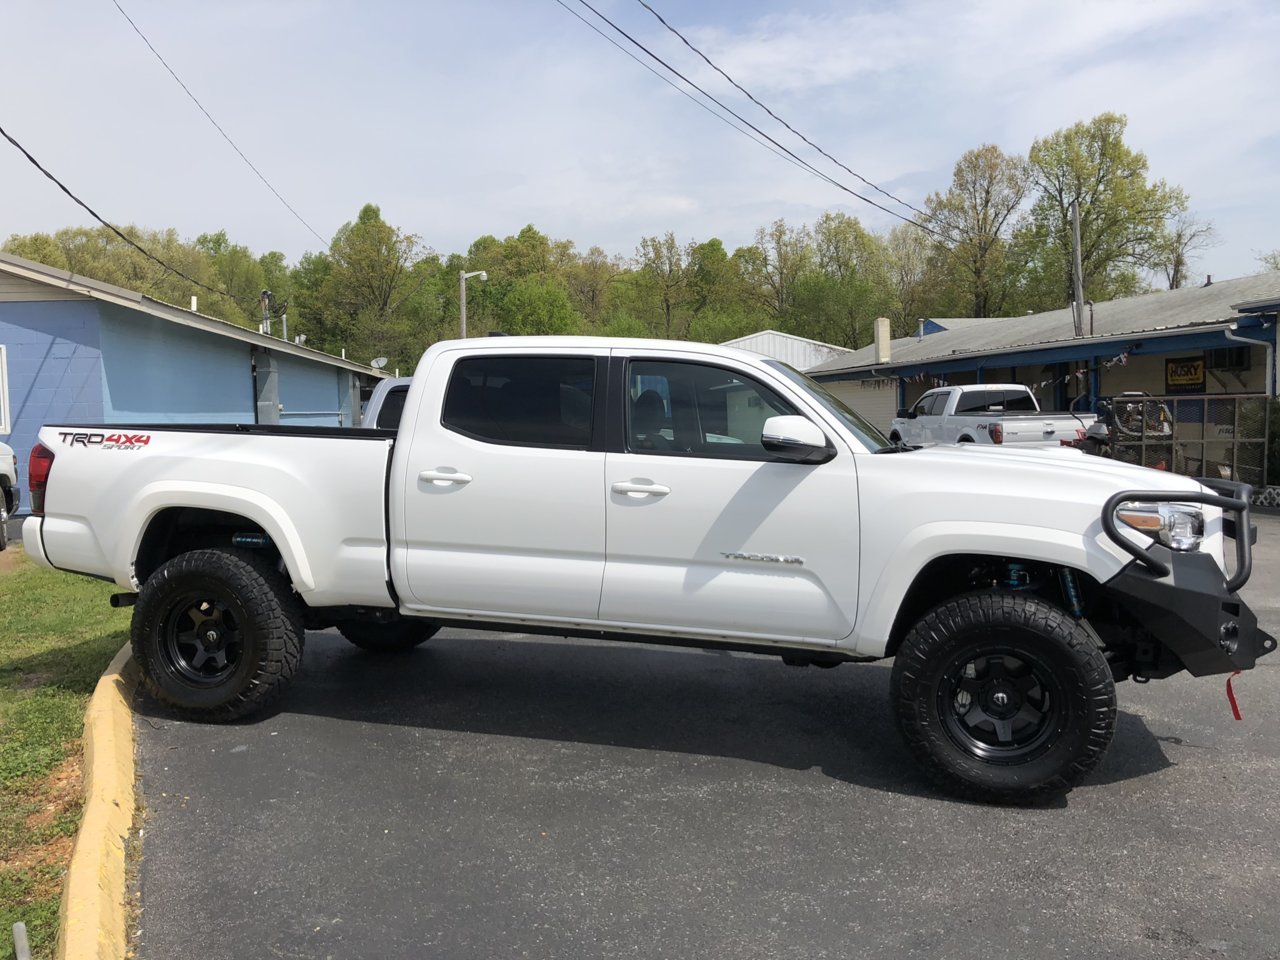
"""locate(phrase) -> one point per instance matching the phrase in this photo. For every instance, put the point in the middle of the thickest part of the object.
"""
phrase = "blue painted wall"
(91, 362)
(55, 370)
(157, 371)
(310, 392)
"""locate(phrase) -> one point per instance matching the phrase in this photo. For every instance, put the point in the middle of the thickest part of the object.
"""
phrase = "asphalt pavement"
(508, 796)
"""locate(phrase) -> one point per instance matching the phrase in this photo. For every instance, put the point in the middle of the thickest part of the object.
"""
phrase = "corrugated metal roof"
(1164, 311)
(52, 276)
(800, 352)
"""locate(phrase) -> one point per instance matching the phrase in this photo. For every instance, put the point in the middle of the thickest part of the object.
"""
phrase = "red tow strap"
(1231, 697)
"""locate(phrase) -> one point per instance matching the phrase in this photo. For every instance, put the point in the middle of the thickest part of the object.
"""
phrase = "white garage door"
(876, 400)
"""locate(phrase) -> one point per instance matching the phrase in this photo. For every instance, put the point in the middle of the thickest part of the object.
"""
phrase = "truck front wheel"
(217, 633)
(1003, 697)
(388, 637)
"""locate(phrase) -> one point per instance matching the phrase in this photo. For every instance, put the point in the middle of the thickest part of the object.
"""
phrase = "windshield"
(868, 436)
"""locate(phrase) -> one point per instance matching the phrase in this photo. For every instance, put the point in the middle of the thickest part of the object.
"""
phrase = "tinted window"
(527, 401)
(921, 409)
(1016, 401)
(392, 408)
(703, 411)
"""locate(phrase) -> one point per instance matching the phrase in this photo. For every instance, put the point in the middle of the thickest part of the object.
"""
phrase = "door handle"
(444, 477)
(640, 488)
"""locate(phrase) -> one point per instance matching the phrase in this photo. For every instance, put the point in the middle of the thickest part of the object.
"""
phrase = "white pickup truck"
(8, 490)
(1003, 413)
(663, 493)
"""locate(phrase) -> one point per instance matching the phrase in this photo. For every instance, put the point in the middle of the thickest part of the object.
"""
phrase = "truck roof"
(520, 343)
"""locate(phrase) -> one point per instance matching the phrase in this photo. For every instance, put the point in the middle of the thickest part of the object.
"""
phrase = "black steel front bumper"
(1183, 599)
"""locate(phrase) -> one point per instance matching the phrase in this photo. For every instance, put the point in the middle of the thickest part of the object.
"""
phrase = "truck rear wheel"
(1003, 697)
(388, 637)
(218, 634)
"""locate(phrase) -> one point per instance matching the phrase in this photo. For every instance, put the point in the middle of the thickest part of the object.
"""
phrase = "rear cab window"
(539, 401)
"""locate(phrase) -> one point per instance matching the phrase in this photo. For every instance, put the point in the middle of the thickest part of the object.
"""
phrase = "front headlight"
(1177, 526)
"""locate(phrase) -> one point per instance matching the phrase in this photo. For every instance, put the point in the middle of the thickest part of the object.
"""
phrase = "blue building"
(75, 350)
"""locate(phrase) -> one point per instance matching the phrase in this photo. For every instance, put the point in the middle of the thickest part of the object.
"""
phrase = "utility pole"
(1077, 280)
(463, 276)
(265, 299)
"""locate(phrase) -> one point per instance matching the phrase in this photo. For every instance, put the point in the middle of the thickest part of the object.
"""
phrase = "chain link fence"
(1223, 436)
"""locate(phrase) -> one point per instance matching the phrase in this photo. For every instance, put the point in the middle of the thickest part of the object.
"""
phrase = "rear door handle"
(640, 488)
(443, 477)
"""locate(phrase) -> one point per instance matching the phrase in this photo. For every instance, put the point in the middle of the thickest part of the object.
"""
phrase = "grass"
(57, 635)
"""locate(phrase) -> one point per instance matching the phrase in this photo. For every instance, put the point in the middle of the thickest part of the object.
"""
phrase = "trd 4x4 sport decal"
(107, 441)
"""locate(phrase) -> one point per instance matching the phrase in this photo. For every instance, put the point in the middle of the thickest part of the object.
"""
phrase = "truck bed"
(319, 493)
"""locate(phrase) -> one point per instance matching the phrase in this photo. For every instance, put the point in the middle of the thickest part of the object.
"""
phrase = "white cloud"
(479, 118)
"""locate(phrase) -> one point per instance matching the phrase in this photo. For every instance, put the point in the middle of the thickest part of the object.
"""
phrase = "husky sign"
(1184, 375)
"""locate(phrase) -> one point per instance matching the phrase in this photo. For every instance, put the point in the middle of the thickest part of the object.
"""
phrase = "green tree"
(40, 247)
(1123, 215)
(1184, 238)
(845, 285)
(664, 271)
(538, 306)
(773, 265)
(979, 214)
(367, 294)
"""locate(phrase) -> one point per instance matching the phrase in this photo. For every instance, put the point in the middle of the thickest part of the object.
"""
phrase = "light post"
(463, 276)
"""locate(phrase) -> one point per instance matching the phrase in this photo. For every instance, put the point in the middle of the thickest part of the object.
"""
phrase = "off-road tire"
(1063, 657)
(388, 637)
(258, 607)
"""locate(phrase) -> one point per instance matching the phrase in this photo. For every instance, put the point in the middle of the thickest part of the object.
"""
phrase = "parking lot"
(511, 796)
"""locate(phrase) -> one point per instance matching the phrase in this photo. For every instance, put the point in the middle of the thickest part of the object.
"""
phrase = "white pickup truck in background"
(1003, 413)
(8, 490)
(670, 493)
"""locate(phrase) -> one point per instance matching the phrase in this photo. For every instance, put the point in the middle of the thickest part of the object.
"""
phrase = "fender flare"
(1093, 554)
(250, 504)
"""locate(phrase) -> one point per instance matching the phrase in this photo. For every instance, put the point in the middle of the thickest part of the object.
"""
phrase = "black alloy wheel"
(999, 705)
(217, 634)
(1004, 697)
(203, 639)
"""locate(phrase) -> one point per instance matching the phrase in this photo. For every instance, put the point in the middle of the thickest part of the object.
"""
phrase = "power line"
(808, 166)
(752, 98)
(112, 227)
(684, 93)
(217, 126)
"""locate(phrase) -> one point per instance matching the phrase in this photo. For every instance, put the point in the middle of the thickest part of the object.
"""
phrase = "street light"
(463, 276)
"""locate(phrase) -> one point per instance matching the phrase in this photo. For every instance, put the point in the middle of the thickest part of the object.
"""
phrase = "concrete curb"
(92, 918)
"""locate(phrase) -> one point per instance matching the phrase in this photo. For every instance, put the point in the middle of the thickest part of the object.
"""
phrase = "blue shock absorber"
(1071, 592)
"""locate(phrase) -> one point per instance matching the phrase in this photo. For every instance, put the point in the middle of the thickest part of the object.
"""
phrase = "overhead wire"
(684, 93)
(790, 153)
(113, 228)
(747, 93)
(217, 126)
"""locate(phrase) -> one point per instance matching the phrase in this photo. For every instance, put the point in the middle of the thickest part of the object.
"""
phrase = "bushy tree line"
(1000, 246)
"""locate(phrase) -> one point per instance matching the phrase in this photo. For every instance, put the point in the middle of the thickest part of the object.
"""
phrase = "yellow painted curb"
(92, 920)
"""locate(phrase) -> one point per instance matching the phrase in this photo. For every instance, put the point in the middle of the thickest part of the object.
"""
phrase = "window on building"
(692, 409)
(523, 401)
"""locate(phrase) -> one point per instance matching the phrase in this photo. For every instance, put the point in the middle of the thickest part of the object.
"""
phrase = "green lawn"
(57, 634)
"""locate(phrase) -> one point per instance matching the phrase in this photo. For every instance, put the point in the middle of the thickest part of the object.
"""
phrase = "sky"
(461, 119)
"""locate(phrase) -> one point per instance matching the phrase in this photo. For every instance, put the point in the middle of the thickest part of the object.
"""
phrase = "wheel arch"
(951, 575)
(168, 526)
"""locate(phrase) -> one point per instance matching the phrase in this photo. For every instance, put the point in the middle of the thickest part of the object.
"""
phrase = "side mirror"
(796, 439)
(903, 413)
